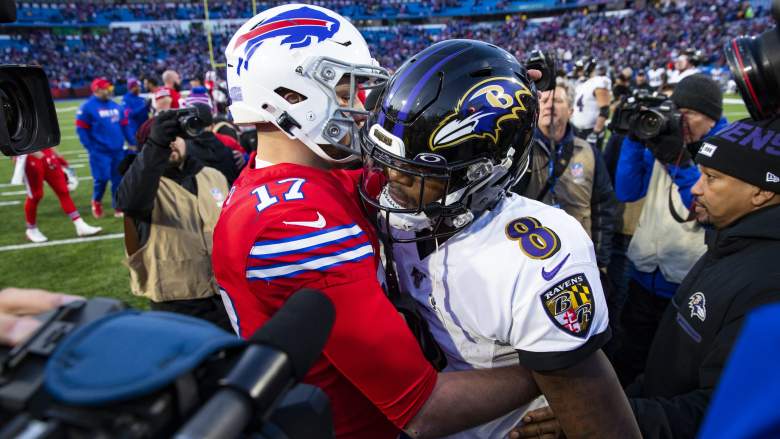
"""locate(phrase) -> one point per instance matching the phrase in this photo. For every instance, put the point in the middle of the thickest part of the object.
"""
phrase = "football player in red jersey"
(293, 219)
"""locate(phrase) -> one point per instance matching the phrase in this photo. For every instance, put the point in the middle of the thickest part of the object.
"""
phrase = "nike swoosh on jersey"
(551, 274)
(318, 224)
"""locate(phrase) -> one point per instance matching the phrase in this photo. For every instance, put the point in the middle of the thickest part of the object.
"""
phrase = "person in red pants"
(48, 166)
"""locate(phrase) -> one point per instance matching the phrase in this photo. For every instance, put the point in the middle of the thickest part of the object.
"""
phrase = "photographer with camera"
(209, 149)
(655, 163)
(172, 202)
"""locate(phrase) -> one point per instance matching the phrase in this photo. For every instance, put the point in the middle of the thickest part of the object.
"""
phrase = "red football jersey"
(287, 227)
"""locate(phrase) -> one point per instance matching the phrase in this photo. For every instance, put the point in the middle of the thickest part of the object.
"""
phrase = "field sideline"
(89, 267)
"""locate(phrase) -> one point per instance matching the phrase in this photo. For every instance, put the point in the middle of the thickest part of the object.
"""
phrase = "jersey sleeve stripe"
(315, 263)
(298, 243)
(81, 124)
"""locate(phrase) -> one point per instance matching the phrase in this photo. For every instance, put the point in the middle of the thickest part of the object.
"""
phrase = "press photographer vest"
(175, 262)
(659, 240)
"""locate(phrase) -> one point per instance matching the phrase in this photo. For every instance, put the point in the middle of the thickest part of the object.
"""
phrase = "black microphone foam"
(299, 329)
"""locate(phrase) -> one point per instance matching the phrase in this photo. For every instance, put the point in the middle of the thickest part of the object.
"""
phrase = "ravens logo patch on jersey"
(570, 305)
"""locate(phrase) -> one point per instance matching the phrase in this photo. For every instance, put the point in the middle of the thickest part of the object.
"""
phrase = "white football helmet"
(308, 50)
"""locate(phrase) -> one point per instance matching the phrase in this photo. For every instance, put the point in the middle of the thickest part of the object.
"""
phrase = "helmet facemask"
(340, 83)
(423, 198)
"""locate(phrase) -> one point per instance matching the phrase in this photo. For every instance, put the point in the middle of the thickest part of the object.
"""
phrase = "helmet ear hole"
(290, 96)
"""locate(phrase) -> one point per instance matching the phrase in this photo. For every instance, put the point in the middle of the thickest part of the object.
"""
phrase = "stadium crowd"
(641, 39)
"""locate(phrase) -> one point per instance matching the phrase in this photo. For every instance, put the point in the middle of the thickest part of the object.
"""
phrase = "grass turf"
(92, 268)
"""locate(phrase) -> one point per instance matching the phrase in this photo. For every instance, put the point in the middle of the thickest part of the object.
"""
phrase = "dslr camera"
(645, 116)
(193, 120)
(754, 62)
(544, 61)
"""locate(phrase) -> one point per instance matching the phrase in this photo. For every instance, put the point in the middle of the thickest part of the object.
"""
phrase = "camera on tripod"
(645, 116)
(754, 62)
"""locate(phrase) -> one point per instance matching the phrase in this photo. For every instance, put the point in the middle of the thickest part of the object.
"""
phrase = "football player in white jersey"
(591, 104)
(500, 279)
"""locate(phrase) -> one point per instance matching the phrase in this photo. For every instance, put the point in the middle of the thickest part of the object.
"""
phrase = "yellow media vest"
(175, 263)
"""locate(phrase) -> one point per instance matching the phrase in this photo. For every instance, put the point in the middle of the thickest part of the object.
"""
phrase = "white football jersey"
(520, 285)
(678, 76)
(586, 108)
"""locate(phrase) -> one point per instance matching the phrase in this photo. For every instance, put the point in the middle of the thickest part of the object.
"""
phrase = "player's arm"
(465, 399)
(602, 100)
(559, 335)
(588, 400)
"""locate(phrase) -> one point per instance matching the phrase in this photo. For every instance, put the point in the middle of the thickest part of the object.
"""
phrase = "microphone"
(280, 354)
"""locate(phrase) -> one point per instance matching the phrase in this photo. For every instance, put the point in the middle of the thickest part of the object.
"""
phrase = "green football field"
(89, 266)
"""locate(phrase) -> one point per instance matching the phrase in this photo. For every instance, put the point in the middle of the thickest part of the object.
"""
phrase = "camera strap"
(557, 164)
(677, 217)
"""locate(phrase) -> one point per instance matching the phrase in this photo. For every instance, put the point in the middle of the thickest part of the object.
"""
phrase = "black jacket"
(739, 272)
(138, 189)
(213, 153)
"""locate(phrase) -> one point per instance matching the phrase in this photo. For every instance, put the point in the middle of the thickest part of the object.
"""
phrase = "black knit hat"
(700, 93)
(747, 150)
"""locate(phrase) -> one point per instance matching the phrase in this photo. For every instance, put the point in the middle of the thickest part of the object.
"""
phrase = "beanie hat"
(699, 93)
(747, 150)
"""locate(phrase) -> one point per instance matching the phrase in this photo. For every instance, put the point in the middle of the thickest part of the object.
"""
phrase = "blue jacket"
(136, 110)
(635, 167)
(102, 126)
(632, 179)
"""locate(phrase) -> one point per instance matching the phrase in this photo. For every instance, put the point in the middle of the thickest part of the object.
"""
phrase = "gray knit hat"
(700, 93)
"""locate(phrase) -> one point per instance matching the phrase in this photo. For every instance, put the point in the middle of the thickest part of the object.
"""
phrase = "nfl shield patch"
(569, 304)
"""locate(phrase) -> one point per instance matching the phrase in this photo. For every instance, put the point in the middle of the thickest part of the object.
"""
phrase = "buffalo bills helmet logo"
(480, 112)
(299, 27)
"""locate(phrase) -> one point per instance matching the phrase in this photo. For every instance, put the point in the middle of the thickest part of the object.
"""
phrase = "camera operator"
(172, 202)
(664, 246)
(209, 150)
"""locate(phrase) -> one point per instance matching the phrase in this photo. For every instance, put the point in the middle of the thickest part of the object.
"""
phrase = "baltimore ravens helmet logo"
(480, 112)
(299, 27)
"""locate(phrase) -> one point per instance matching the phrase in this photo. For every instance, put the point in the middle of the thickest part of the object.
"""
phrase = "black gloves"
(164, 130)
(669, 147)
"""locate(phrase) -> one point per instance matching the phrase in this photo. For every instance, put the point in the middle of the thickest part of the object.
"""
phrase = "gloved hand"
(164, 130)
(669, 147)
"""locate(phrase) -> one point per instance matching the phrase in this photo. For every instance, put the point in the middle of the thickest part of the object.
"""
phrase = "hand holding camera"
(669, 146)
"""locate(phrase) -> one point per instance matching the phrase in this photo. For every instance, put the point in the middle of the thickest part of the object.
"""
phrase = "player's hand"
(538, 424)
(19, 305)
(164, 130)
(534, 75)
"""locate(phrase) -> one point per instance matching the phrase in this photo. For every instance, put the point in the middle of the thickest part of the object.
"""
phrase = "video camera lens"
(755, 65)
(194, 120)
(28, 121)
(649, 124)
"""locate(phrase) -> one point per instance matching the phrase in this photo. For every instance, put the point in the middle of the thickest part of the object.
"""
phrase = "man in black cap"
(666, 242)
(738, 202)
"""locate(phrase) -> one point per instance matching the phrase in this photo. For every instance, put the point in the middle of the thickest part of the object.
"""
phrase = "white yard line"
(10, 194)
(60, 242)
(78, 165)
(10, 203)
(67, 109)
